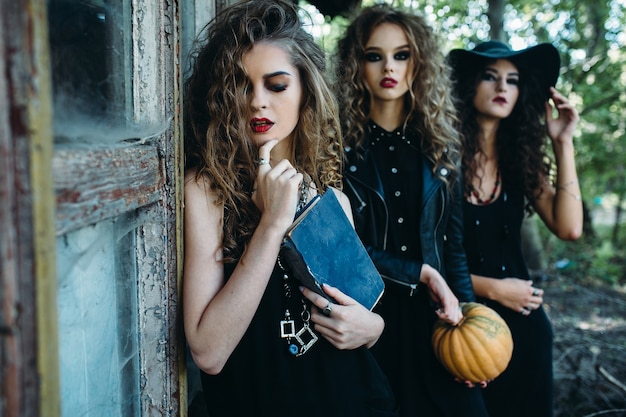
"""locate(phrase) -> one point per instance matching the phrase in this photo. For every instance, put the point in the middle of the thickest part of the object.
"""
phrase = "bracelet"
(563, 187)
(576, 197)
(566, 184)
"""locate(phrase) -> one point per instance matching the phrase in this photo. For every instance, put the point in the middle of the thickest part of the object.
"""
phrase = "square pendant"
(307, 338)
(287, 329)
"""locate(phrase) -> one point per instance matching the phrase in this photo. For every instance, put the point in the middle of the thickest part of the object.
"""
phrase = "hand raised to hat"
(560, 128)
(562, 215)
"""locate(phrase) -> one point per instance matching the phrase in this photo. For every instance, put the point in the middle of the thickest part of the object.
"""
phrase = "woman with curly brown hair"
(262, 139)
(503, 102)
(402, 178)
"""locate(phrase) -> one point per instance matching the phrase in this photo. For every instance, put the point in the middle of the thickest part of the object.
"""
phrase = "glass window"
(91, 66)
(97, 320)
(115, 166)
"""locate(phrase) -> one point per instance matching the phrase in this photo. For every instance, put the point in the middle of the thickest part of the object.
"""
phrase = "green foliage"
(603, 264)
(588, 260)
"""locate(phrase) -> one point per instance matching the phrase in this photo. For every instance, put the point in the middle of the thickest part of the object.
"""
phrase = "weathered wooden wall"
(28, 367)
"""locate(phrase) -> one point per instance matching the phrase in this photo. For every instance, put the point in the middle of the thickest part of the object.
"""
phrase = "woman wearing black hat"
(504, 103)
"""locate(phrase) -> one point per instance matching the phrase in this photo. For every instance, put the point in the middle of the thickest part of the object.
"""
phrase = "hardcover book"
(322, 247)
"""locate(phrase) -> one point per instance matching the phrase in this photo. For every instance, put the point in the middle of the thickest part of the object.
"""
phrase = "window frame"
(46, 196)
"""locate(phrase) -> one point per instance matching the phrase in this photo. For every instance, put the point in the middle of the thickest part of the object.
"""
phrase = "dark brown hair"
(521, 141)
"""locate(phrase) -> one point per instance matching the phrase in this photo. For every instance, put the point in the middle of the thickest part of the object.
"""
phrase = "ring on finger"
(328, 309)
(536, 292)
(525, 311)
(263, 161)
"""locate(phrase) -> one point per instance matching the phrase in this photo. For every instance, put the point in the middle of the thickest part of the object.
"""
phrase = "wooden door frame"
(34, 211)
(29, 367)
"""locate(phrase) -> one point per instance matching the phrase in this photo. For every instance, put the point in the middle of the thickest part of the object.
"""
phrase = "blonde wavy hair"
(429, 107)
(216, 103)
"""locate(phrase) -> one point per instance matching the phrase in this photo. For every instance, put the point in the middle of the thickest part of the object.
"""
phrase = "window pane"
(91, 67)
(97, 303)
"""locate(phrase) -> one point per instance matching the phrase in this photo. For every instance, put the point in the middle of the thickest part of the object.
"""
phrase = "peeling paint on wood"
(87, 184)
(96, 184)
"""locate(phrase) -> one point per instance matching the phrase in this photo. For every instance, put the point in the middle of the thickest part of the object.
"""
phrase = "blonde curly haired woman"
(402, 177)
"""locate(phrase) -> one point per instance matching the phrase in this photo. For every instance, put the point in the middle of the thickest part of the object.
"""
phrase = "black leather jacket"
(441, 225)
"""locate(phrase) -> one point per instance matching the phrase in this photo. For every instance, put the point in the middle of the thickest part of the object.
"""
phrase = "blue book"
(322, 247)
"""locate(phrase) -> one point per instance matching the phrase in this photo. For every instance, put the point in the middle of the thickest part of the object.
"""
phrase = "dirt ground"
(590, 348)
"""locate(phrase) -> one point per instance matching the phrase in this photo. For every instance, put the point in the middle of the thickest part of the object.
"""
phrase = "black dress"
(423, 388)
(262, 377)
(493, 247)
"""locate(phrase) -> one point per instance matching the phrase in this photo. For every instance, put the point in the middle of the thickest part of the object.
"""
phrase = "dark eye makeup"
(402, 55)
(375, 56)
(490, 75)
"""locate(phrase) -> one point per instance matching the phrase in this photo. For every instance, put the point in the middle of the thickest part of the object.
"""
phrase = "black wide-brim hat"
(541, 60)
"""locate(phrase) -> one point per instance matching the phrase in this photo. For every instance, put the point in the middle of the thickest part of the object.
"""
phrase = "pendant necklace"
(474, 193)
(298, 343)
(304, 196)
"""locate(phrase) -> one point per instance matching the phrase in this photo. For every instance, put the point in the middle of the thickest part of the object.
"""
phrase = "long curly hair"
(430, 111)
(521, 141)
(217, 143)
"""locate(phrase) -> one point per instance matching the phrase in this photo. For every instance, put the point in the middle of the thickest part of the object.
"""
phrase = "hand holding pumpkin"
(478, 349)
(470, 384)
(442, 295)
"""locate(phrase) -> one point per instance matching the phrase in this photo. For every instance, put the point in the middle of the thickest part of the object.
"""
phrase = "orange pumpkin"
(477, 349)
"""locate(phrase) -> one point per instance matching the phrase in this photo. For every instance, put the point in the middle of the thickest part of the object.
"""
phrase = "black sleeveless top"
(492, 236)
(262, 378)
(494, 249)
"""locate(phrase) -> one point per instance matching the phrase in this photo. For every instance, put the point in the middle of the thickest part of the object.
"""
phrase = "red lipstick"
(500, 100)
(261, 125)
(388, 82)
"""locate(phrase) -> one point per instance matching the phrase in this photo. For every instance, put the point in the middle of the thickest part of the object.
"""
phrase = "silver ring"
(328, 309)
(263, 161)
(536, 292)
(525, 311)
